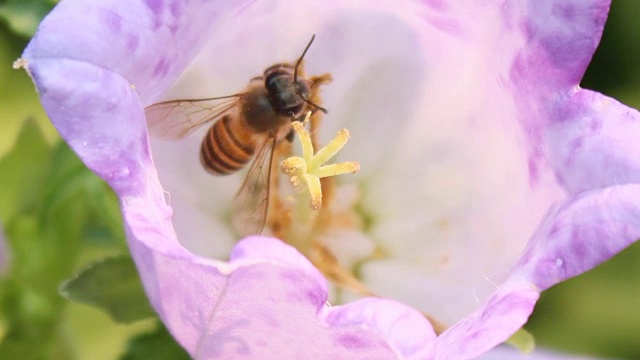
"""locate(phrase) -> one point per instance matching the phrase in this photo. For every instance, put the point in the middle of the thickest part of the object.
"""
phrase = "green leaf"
(523, 341)
(54, 210)
(70, 182)
(23, 16)
(113, 285)
(31, 309)
(23, 171)
(41, 255)
(157, 345)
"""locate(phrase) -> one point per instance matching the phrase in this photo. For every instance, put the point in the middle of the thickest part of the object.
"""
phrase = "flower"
(488, 175)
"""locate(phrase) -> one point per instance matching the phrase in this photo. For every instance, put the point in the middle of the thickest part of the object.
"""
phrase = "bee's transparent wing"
(174, 119)
(251, 203)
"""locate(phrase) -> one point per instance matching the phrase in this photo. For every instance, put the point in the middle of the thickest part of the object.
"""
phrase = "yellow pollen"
(306, 171)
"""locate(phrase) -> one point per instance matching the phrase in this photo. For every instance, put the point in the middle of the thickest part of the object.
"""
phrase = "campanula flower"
(486, 176)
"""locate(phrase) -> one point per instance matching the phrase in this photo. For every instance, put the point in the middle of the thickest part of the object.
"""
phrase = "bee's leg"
(314, 83)
(318, 80)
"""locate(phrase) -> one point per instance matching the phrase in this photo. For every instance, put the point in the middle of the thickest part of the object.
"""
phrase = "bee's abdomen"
(226, 148)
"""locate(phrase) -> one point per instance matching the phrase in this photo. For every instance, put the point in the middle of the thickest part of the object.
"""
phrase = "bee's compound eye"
(294, 110)
(302, 89)
(277, 82)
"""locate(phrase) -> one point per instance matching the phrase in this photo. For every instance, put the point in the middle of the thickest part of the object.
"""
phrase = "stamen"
(306, 171)
(330, 150)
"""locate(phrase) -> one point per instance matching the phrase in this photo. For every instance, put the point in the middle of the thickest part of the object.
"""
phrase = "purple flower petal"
(269, 302)
(148, 43)
(593, 142)
(578, 235)
(587, 138)
(505, 312)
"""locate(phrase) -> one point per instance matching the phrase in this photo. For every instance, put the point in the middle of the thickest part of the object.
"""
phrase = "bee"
(246, 125)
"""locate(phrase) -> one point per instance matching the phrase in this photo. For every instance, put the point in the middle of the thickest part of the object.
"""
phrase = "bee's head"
(286, 95)
(286, 92)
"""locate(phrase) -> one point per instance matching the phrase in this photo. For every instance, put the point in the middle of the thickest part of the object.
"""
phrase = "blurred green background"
(59, 218)
(597, 313)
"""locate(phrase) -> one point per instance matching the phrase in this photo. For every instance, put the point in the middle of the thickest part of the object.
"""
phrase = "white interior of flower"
(444, 179)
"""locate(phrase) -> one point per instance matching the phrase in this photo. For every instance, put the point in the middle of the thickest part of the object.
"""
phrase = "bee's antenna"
(316, 106)
(295, 75)
(295, 72)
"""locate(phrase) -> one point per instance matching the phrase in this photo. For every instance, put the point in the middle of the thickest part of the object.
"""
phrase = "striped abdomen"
(227, 147)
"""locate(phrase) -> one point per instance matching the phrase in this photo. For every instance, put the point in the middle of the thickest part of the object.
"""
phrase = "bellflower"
(487, 174)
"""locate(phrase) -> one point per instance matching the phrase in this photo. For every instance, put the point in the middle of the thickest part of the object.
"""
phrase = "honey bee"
(247, 125)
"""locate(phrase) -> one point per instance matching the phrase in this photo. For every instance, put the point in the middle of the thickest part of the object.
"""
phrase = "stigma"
(305, 172)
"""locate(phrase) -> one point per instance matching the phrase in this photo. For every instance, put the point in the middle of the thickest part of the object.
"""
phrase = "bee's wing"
(174, 119)
(251, 203)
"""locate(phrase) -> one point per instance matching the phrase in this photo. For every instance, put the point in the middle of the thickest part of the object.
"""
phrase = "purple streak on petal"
(261, 249)
(132, 41)
(162, 67)
(112, 21)
(561, 37)
(438, 5)
(441, 17)
(177, 7)
(407, 331)
(351, 341)
(124, 36)
(593, 142)
(155, 5)
(582, 233)
(504, 313)
(533, 160)
(90, 106)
